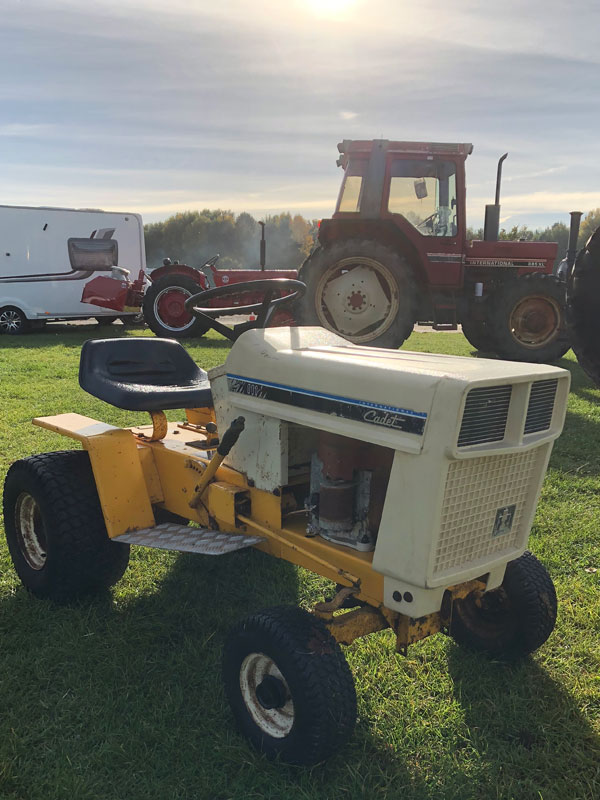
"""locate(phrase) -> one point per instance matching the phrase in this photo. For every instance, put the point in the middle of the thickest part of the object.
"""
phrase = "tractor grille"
(541, 406)
(485, 415)
(477, 492)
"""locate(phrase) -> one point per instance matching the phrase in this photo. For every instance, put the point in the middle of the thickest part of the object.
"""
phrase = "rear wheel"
(164, 307)
(13, 321)
(55, 528)
(289, 685)
(513, 620)
(526, 316)
(361, 290)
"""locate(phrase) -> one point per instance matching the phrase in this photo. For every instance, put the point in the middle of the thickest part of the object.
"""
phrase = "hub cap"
(357, 297)
(169, 309)
(535, 320)
(10, 321)
(266, 695)
(31, 536)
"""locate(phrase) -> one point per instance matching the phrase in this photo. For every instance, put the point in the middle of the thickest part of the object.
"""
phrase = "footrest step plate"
(185, 539)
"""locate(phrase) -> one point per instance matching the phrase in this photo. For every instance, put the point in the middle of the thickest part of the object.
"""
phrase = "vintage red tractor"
(161, 293)
(395, 252)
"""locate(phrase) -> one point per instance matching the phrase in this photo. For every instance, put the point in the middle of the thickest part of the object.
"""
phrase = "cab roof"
(366, 146)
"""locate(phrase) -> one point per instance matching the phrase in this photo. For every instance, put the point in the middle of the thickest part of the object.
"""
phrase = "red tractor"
(162, 293)
(395, 252)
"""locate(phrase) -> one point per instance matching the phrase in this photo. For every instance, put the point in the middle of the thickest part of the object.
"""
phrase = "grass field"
(120, 697)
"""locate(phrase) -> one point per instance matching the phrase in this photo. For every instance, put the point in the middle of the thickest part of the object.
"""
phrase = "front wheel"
(477, 332)
(361, 290)
(289, 685)
(55, 529)
(527, 318)
(164, 308)
(511, 621)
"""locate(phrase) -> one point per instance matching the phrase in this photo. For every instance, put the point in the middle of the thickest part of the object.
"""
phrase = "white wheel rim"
(276, 722)
(157, 312)
(10, 320)
(350, 298)
(30, 531)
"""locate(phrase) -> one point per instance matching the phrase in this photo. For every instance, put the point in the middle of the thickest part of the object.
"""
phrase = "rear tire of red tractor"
(55, 529)
(583, 302)
(164, 309)
(360, 290)
(527, 319)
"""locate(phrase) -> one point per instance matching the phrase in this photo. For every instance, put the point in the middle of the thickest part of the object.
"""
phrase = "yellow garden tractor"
(408, 480)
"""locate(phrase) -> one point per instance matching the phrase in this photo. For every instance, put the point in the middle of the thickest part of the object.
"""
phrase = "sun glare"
(330, 8)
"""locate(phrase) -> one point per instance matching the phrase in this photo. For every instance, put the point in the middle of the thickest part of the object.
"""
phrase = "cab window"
(352, 186)
(424, 192)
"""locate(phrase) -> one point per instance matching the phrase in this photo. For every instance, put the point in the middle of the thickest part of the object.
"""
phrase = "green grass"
(120, 696)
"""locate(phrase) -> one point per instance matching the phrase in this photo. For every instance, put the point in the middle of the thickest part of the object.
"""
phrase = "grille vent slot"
(485, 415)
(541, 406)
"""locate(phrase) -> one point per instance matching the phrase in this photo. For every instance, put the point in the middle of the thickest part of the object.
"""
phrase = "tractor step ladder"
(185, 539)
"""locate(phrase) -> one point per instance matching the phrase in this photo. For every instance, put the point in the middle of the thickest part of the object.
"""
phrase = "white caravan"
(47, 255)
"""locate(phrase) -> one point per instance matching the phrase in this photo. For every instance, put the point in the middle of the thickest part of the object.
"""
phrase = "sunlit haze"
(152, 107)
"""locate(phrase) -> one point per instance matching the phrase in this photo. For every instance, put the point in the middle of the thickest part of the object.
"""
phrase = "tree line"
(192, 237)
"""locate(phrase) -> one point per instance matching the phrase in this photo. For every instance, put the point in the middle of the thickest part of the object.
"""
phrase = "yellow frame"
(133, 471)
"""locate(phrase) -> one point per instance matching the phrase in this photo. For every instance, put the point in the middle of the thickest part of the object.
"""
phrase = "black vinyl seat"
(143, 374)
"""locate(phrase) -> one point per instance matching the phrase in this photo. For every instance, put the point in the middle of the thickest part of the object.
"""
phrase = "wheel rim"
(357, 297)
(266, 695)
(535, 321)
(169, 309)
(31, 536)
(10, 321)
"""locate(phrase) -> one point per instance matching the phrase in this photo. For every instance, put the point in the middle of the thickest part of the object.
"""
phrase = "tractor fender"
(179, 269)
(382, 231)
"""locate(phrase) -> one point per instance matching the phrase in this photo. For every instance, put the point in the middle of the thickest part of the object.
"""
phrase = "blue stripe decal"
(336, 398)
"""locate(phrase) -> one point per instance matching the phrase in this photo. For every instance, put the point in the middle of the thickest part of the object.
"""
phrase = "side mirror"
(421, 188)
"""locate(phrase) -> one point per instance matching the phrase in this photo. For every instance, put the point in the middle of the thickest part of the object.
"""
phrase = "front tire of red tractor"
(55, 528)
(360, 290)
(164, 309)
(477, 332)
(289, 686)
(527, 319)
(512, 621)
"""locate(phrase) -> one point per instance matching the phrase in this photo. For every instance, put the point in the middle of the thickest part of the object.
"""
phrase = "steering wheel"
(264, 310)
(430, 218)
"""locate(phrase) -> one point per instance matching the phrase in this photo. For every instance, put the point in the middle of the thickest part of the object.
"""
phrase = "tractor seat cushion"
(142, 374)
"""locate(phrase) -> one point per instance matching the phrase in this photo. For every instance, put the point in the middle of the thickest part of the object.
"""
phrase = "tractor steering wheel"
(264, 310)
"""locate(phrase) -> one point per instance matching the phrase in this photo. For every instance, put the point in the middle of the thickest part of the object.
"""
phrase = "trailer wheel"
(106, 321)
(13, 321)
(55, 529)
(164, 307)
(527, 318)
(289, 686)
(513, 620)
(362, 290)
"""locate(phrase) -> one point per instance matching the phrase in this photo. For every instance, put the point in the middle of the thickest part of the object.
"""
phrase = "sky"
(157, 107)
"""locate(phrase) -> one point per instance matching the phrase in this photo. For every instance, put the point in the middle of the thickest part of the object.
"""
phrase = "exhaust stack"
(491, 226)
(263, 246)
(573, 236)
